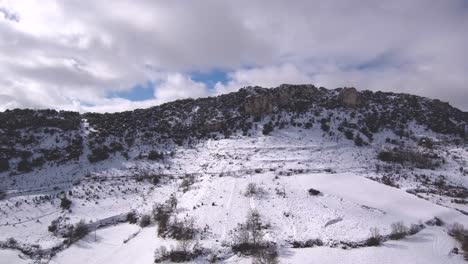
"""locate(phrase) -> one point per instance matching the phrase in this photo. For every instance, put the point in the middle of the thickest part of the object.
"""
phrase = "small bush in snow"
(358, 141)
(349, 134)
(435, 222)
(313, 192)
(399, 231)
(415, 228)
(248, 238)
(459, 232)
(183, 252)
(188, 181)
(77, 232)
(375, 238)
(253, 190)
(182, 230)
(11, 241)
(145, 220)
(131, 218)
(161, 214)
(267, 129)
(266, 255)
(65, 203)
(2, 195)
(53, 226)
(308, 243)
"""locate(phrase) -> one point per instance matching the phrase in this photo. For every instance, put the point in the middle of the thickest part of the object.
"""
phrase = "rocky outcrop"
(350, 97)
(265, 101)
(259, 104)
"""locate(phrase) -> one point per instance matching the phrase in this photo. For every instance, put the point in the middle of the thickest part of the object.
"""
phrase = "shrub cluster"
(375, 238)
(145, 220)
(248, 240)
(399, 231)
(77, 232)
(183, 252)
(253, 190)
(65, 203)
(421, 160)
(459, 232)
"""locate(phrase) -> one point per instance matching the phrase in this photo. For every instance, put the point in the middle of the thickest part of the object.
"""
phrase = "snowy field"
(284, 166)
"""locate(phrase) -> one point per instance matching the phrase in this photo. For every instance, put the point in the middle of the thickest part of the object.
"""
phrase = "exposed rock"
(259, 104)
(350, 97)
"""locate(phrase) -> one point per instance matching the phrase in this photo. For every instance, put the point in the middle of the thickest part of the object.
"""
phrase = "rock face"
(32, 138)
(350, 97)
(265, 102)
(259, 104)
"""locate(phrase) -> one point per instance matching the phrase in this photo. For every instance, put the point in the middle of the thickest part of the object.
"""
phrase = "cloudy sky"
(88, 55)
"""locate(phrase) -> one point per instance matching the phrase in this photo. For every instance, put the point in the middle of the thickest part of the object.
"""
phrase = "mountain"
(308, 170)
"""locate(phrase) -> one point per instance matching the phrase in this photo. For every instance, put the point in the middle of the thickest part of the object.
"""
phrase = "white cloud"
(65, 54)
(176, 86)
(271, 76)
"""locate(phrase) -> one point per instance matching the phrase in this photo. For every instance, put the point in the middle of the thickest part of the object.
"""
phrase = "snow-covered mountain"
(295, 174)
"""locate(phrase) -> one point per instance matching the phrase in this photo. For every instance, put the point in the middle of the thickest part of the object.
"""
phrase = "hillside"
(318, 168)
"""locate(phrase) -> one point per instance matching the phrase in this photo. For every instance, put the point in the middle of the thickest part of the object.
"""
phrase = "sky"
(108, 56)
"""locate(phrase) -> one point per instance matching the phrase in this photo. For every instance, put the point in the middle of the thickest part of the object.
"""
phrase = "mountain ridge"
(347, 110)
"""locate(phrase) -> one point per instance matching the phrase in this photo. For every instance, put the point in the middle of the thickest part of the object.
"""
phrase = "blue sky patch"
(140, 92)
(210, 78)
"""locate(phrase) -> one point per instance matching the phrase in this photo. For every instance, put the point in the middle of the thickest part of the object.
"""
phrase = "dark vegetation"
(375, 238)
(411, 157)
(249, 240)
(459, 233)
(131, 218)
(313, 192)
(399, 231)
(77, 232)
(185, 251)
(65, 203)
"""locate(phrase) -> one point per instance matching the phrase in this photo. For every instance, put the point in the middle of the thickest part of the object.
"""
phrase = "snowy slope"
(284, 164)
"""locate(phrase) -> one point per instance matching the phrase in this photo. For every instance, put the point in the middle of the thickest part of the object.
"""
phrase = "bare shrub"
(266, 255)
(65, 203)
(253, 190)
(53, 226)
(411, 157)
(187, 182)
(375, 238)
(248, 239)
(182, 230)
(459, 232)
(131, 218)
(308, 243)
(399, 231)
(183, 252)
(435, 222)
(11, 241)
(415, 228)
(145, 220)
(161, 214)
(77, 232)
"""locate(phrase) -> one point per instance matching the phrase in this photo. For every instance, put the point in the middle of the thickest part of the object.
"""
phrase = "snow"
(8, 256)
(285, 165)
(429, 246)
(107, 246)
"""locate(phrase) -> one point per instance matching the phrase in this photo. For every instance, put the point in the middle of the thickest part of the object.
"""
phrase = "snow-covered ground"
(285, 166)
